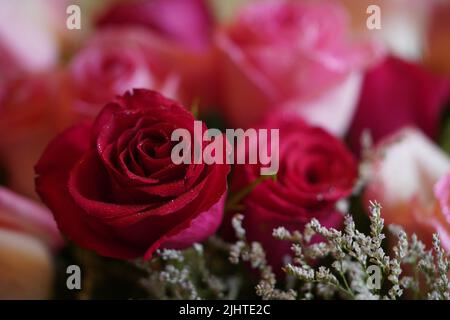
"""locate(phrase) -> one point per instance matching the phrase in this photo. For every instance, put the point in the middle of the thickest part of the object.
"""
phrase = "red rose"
(399, 94)
(113, 188)
(316, 170)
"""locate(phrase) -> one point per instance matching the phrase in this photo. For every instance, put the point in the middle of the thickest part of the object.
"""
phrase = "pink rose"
(188, 22)
(295, 56)
(117, 60)
(27, 233)
(402, 175)
(181, 34)
(396, 94)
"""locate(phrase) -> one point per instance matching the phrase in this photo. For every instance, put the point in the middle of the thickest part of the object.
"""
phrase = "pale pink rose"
(28, 235)
(28, 40)
(403, 24)
(296, 56)
(402, 175)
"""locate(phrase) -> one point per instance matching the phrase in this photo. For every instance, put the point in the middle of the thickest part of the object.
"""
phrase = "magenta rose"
(295, 56)
(315, 171)
(399, 94)
(114, 189)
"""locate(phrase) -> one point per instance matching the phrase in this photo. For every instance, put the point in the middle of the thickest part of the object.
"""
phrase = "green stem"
(236, 198)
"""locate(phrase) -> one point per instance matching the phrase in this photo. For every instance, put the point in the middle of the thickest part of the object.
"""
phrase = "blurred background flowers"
(384, 92)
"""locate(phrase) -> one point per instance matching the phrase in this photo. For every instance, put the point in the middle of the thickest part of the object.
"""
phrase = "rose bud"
(315, 172)
(112, 185)
(114, 61)
(402, 173)
(295, 56)
(407, 93)
(27, 235)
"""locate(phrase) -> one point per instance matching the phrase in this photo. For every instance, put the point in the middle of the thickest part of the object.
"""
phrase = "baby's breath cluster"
(361, 268)
(177, 274)
(255, 255)
(325, 263)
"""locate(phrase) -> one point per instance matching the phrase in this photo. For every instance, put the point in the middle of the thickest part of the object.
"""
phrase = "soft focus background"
(235, 63)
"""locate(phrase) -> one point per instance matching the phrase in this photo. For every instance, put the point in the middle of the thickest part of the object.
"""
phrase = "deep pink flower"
(397, 94)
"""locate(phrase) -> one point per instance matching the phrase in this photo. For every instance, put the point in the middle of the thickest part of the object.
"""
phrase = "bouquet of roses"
(193, 149)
